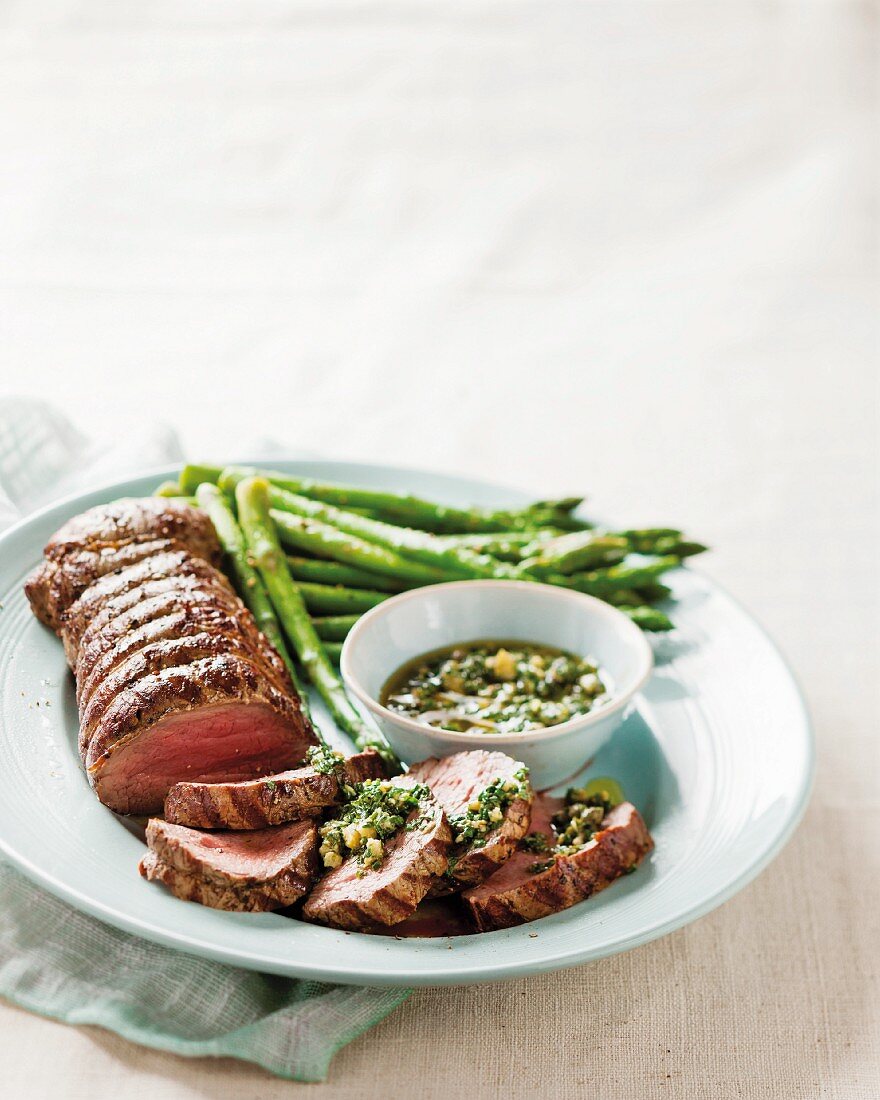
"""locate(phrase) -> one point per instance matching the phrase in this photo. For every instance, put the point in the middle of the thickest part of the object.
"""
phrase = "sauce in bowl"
(496, 686)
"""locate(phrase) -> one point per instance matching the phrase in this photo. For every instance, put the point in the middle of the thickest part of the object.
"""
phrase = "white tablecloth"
(622, 246)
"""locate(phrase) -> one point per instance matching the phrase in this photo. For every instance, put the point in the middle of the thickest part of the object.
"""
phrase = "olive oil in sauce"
(495, 686)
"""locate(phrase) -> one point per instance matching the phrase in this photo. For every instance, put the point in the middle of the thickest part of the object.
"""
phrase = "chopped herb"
(535, 842)
(378, 810)
(325, 760)
(486, 811)
(495, 687)
(577, 823)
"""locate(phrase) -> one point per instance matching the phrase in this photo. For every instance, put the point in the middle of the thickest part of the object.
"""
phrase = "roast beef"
(105, 538)
(363, 900)
(533, 884)
(113, 592)
(457, 781)
(254, 871)
(256, 803)
(215, 719)
(167, 653)
(174, 679)
(179, 615)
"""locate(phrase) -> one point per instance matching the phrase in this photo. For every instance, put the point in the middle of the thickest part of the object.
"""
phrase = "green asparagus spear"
(655, 592)
(601, 582)
(192, 476)
(334, 651)
(327, 599)
(505, 545)
(247, 581)
(405, 508)
(661, 540)
(575, 551)
(405, 541)
(319, 571)
(649, 618)
(335, 628)
(315, 537)
(253, 510)
(168, 489)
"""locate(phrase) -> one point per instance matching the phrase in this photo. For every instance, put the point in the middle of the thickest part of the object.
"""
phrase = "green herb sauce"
(490, 686)
(576, 823)
(486, 812)
(377, 810)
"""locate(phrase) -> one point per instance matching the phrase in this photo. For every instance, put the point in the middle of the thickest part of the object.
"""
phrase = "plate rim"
(473, 972)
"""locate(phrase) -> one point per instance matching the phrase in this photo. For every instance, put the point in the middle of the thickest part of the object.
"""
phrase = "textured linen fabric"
(627, 247)
(68, 966)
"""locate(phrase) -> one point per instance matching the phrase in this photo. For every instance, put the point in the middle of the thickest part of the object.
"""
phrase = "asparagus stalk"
(319, 571)
(602, 582)
(649, 618)
(262, 541)
(192, 476)
(316, 537)
(575, 551)
(661, 540)
(405, 508)
(168, 489)
(335, 628)
(326, 599)
(419, 546)
(334, 651)
(506, 545)
(247, 580)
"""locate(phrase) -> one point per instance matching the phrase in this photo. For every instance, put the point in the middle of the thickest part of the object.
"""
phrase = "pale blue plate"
(719, 759)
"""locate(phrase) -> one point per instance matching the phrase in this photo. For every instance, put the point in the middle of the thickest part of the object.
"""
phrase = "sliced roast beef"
(132, 578)
(135, 519)
(351, 896)
(108, 537)
(112, 647)
(457, 782)
(55, 586)
(254, 871)
(125, 615)
(532, 884)
(169, 653)
(271, 800)
(174, 680)
(215, 719)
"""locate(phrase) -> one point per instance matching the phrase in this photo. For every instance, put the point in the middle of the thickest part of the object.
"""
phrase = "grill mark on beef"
(456, 781)
(390, 893)
(139, 606)
(137, 518)
(175, 563)
(257, 871)
(254, 804)
(85, 548)
(182, 688)
(177, 652)
(515, 895)
(56, 585)
(102, 660)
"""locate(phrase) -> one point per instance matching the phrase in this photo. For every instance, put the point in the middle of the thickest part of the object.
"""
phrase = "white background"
(621, 247)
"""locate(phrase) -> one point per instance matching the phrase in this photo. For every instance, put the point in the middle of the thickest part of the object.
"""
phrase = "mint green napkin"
(63, 964)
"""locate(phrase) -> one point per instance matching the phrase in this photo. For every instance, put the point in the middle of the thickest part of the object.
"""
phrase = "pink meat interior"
(216, 744)
(516, 869)
(261, 854)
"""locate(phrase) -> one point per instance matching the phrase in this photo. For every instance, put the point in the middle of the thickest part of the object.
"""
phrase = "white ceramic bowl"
(440, 615)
